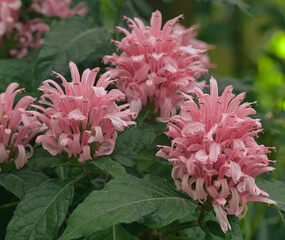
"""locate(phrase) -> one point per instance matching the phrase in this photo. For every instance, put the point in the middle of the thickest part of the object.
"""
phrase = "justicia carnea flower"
(82, 119)
(17, 127)
(29, 35)
(60, 8)
(9, 14)
(214, 154)
(157, 65)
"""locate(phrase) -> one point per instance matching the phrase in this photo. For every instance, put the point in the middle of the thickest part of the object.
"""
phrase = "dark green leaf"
(168, 1)
(41, 159)
(107, 164)
(125, 200)
(115, 233)
(131, 143)
(41, 212)
(235, 233)
(215, 228)
(243, 7)
(276, 191)
(21, 181)
(195, 233)
(61, 46)
(17, 70)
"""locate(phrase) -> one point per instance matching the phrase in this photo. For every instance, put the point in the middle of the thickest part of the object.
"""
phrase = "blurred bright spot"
(278, 44)
(269, 75)
(265, 64)
(270, 84)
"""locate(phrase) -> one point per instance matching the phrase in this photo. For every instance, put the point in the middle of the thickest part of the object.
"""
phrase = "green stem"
(8, 205)
(61, 172)
(114, 232)
(201, 219)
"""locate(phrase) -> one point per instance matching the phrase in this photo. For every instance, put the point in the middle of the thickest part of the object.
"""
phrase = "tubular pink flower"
(17, 127)
(9, 14)
(214, 154)
(82, 119)
(157, 65)
(29, 35)
(60, 8)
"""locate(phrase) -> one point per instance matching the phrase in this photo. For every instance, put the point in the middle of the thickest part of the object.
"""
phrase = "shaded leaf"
(215, 228)
(107, 164)
(243, 7)
(276, 191)
(41, 159)
(235, 233)
(21, 181)
(115, 233)
(41, 212)
(131, 143)
(125, 200)
(17, 70)
(61, 46)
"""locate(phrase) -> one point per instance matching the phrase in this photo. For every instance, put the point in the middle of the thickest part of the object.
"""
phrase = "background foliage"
(249, 53)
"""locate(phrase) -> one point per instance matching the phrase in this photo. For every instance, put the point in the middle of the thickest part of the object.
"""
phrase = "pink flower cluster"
(9, 14)
(214, 154)
(29, 34)
(60, 8)
(157, 65)
(82, 120)
(17, 127)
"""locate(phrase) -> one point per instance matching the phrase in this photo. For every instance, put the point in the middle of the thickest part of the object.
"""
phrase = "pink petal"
(221, 215)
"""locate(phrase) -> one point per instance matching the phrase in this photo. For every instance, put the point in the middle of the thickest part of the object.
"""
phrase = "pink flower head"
(214, 154)
(9, 14)
(29, 35)
(60, 8)
(157, 65)
(82, 120)
(17, 127)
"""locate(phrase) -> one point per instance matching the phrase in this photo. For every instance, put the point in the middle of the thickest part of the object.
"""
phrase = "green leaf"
(17, 70)
(235, 233)
(243, 7)
(60, 46)
(125, 200)
(131, 143)
(276, 191)
(168, 1)
(215, 228)
(107, 164)
(41, 159)
(115, 233)
(21, 181)
(41, 212)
